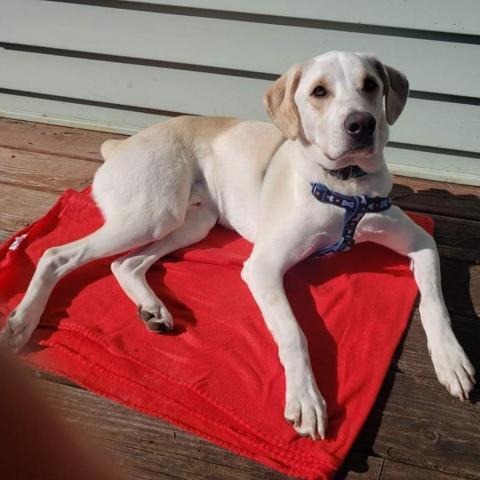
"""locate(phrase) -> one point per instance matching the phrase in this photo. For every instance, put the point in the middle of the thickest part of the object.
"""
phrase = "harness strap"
(355, 206)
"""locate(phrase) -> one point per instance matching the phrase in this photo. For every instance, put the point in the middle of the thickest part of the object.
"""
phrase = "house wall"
(123, 65)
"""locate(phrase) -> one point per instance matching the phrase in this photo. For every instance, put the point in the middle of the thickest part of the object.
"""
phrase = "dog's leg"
(398, 232)
(130, 270)
(112, 238)
(304, 404)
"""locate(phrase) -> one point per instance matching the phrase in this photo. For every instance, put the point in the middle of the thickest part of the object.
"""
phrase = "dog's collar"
(345, 173)
(355, 206)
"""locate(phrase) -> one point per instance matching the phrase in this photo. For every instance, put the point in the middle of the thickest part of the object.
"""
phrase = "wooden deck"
(416, 430)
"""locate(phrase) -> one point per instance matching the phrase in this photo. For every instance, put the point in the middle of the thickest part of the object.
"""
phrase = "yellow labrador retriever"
(314, 181)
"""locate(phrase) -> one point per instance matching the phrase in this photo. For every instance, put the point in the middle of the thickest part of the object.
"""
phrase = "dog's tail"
(108, 147)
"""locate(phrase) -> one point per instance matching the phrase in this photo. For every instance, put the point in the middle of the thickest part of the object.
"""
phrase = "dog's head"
(341, 102)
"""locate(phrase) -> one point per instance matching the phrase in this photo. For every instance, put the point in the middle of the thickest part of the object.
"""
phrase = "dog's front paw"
(306, 409)
(18, 330)
(452, 366)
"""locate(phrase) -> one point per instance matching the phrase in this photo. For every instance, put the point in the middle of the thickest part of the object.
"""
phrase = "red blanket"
(217, 375)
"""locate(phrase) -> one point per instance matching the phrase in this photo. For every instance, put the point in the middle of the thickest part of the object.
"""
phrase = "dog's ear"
(395, 89)
(280, 104)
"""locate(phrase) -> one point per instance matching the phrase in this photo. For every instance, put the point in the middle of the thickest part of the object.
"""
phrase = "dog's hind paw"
(157, 320)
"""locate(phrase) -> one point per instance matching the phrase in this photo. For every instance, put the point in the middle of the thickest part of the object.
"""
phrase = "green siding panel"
(75, 115)
(433, 66)
(423, 122)
(460, 16)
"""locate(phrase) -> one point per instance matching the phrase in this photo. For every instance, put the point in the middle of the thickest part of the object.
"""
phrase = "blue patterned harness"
(355, 206)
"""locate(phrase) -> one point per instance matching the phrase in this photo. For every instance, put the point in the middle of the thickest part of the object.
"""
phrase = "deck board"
(154, 449)
(44, 172)
(20, 206)
(412, 358)
(52, 139)
(415, 421)
(416, 429)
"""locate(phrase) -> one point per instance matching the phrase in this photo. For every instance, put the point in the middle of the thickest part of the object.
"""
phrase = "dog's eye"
(370, 85)
(319, 91)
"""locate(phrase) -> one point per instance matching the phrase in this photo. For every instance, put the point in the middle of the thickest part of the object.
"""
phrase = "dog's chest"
(321, 224)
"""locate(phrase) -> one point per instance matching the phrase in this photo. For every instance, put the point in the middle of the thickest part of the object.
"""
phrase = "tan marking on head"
(321, 103)
(280, 104)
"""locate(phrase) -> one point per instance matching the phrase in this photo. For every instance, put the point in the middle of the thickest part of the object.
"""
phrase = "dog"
(167, 186)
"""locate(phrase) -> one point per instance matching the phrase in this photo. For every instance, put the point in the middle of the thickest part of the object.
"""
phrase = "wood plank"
(437, 198)
(227, 43)
(461, 286)
(412, 357)
(211, 94)
(148, 448)
(401, 471)
(457, 232)
(20, 206)
(51, 377)
(458, 239)
(416, 14)
(358, 466)
(419, 184)
(40, 171)
(52, 139)
(416, 421)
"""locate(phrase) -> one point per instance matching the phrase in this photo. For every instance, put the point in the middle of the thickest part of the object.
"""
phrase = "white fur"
(167, 186)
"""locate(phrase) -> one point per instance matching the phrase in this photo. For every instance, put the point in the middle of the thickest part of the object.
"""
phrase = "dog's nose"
(360, 125)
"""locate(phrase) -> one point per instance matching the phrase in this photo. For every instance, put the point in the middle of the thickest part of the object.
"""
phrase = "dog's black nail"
(159, 327)
(146, 316)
